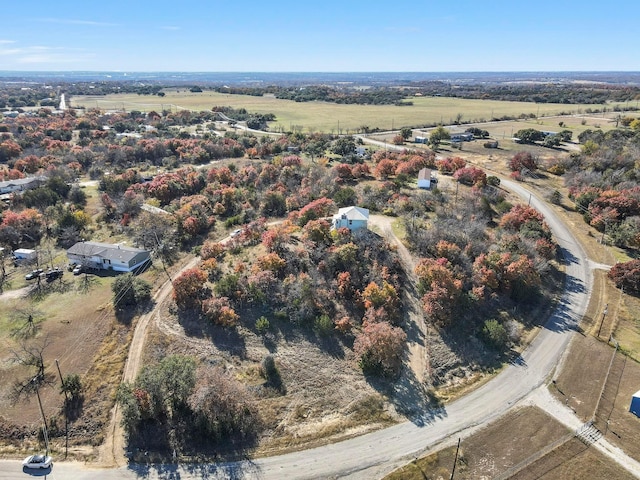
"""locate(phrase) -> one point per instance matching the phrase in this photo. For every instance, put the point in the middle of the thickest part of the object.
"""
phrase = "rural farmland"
(336, 118)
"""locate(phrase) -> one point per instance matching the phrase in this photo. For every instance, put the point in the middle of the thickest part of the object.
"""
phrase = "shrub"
(323, 325)
(495, 334)
(269, 370)
(262, 324)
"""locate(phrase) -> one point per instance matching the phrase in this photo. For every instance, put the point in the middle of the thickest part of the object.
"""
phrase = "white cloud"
(65, 21)
(6, 42)
(45, 55)
(170, 27)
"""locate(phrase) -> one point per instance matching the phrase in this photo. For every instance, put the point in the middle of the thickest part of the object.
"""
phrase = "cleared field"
(330, 117)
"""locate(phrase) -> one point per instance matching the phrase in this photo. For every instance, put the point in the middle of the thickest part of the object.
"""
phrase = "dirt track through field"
(112, 453)
(415, 327)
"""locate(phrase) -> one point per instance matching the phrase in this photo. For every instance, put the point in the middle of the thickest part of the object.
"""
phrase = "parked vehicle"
(37, 461)
(33, 274)
(77, 270)
(236, 232)
(53, 274)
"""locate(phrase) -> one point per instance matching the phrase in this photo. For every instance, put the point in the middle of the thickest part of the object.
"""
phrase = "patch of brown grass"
(511, 440)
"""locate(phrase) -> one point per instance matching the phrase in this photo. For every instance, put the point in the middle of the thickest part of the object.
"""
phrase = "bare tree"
(26, 322)
(30, 356)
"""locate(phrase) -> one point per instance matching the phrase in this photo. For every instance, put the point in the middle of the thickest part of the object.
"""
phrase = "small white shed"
(635, 404)
(424, 178)
(25, 254)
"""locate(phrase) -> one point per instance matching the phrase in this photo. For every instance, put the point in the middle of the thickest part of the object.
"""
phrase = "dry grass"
(331, 117)
(511, 440)
(491, 451)
(573, 461)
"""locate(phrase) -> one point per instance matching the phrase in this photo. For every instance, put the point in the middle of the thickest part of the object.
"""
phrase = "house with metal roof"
(352, 218)
(106, 256)
(21, 184)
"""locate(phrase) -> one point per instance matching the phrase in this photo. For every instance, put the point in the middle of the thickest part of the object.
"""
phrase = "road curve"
(372, 455)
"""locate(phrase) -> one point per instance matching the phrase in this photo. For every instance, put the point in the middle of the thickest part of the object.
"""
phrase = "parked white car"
(37, 461)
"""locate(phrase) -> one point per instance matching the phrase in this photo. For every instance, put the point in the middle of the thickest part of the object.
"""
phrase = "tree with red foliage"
(471, 176)
(626, 275)
(379, 347)
(211, 249)
(343, 170)
(8, 150)
(523, 160)
(521, 215)
(218, 310)
(386, 168)
(449, 165)
(188, 287)
(321, 207)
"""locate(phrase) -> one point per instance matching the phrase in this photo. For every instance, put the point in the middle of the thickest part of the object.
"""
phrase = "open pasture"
(334, 118)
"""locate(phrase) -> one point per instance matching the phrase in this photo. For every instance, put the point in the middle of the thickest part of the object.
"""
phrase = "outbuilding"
(25, 254)
(425, 178)
(635, 404)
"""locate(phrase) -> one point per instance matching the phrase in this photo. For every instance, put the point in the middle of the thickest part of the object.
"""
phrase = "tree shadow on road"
(240, 470)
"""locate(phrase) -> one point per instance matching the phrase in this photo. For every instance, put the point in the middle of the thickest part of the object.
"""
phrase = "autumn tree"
(218, 310)
(379, 348)
(626, 275)
(188, 287)
(523, 160)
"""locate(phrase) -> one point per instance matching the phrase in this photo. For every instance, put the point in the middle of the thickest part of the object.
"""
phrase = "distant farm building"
(352, 218)
(461, 137)
(425, 178)
(420, 140)
(635, 404)
(106, 256)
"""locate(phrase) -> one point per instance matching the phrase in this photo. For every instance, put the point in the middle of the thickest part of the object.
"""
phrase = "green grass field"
(330, 117)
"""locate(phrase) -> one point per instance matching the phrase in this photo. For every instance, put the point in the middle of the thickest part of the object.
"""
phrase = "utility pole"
(604, 314)
(455, 460)
(44, 421)
(66, 417)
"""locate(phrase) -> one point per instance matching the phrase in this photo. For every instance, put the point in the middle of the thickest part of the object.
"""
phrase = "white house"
(21, 184)
(105, 256)
(352, 218)
(635, 404)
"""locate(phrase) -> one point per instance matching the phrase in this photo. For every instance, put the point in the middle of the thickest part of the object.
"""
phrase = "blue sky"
(320, 36)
